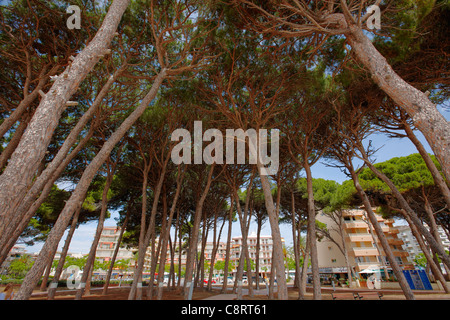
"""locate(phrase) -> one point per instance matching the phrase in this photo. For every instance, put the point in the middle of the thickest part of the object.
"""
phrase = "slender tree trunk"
(18, 175)
(296, 246)
(344, 249)
(114, 257)
(14, 142)
(423, 112)
(304, 274)
(214, 251)
(42, 186)
(434, 267)
(312, 234)
(59, 269)
(194, 236)
(258, 251)
(434, 229)
(134, 291)
(404, 204)
(79, 193)
(89, 267)
(276, 237)
(382, 238)
(438, 179)
(47, 272)
(166, 236)
(228, 247)
(16, 226)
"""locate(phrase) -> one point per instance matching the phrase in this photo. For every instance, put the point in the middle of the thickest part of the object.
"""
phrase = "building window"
(333, 260)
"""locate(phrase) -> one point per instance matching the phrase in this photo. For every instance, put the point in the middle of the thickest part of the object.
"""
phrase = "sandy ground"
(115, 293)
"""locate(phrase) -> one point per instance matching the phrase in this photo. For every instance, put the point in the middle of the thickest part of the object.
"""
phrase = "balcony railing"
(365, 251)
(358, 237)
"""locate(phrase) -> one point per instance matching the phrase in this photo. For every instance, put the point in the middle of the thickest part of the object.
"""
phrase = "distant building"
(108, 242)
(265, 251)
(412, 246)
(363, 247)
(109, 238)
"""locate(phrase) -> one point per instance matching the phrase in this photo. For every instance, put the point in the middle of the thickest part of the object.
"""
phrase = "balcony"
(399, 253)
(395, 241)
(355, 224)
(363, 252)
(393, 230)
(360, 237)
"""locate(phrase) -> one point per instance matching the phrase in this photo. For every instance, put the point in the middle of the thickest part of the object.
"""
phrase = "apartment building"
(411, 245)
(265, 251)
(107, 243)
(110, 235)
(362, 244)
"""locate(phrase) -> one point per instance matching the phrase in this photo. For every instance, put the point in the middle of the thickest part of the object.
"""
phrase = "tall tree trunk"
(438, 179)
(344, 249)
(194, 236)
(79, 193)
(423, 112)
(114, 257)
(89, 266)
(434, 267)
(276, 238)
(304, 274)
(382, 238)
(16, 226)
(59, 269)
(14, 142)
(312, 233)
(18, 175)
(228, 246)
(404, 204)
(216, 243)
(134, 291)
(296, 243)
(166, 235)
(42, 186)
(434, 229)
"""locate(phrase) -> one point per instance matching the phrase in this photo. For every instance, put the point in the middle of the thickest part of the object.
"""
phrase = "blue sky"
(390, 148)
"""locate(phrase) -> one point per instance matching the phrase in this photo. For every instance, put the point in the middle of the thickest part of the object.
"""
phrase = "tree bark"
(438, 179)
(404, 204)
(18, 175)
(228, 247)
(59, 269)
(277, 257)
(194, 236)
(312, 234)
(382, 238)
(79, 193)
(89, 266)
(42, 186)
(166, 236)
(135, 292)
(423, 112)
(114, 257)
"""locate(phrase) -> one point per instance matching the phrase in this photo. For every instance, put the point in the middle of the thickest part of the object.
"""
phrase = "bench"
(369, 295)
(343, 296)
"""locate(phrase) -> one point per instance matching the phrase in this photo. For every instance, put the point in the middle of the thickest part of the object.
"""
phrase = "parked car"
(212, 281)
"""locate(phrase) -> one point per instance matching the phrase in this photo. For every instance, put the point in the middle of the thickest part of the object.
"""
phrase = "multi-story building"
(265, 251)
(411, 245)
(362, 244)
(109, 238)
(107, 244)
